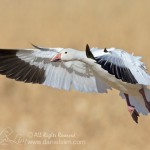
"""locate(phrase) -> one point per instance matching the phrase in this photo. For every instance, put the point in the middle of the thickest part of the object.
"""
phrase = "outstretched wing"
(34, 66)
(124, 66)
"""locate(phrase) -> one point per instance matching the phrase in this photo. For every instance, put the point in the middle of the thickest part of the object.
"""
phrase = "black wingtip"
(105, 50)
(35, 46)
(41, 48)
(87, 47)
(88, 52)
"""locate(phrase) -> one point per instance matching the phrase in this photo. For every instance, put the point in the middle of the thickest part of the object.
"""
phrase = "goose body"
(96, 70)
(113, 82)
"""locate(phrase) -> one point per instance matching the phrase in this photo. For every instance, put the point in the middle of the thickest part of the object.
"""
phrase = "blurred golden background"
(101, 120)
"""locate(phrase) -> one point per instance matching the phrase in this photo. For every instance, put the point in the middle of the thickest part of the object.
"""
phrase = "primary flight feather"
(93, 70)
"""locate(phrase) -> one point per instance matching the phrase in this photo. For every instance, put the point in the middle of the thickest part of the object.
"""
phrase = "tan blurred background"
(101, 120)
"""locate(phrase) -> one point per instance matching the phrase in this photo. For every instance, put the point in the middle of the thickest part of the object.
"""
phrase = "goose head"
(68, 55)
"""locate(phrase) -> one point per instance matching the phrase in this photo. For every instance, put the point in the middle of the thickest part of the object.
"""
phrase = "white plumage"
(65, 75)
(96, 70)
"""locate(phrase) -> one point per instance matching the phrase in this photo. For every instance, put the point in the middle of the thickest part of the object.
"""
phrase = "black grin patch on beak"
(56, 60)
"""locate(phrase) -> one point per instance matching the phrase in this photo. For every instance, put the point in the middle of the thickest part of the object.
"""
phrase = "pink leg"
(147, 104)
(131, 109)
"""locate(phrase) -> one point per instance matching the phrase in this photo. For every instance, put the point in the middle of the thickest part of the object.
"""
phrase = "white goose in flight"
(96, 70)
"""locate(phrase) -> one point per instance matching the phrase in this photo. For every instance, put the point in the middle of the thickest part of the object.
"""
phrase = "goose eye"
(65, 52)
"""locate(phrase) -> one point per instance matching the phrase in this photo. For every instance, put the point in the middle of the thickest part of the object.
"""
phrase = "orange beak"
(56, 58)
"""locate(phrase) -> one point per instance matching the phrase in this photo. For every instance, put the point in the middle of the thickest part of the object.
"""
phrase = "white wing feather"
(64, 75)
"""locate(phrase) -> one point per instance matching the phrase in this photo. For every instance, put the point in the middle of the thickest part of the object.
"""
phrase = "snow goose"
(93, 70)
